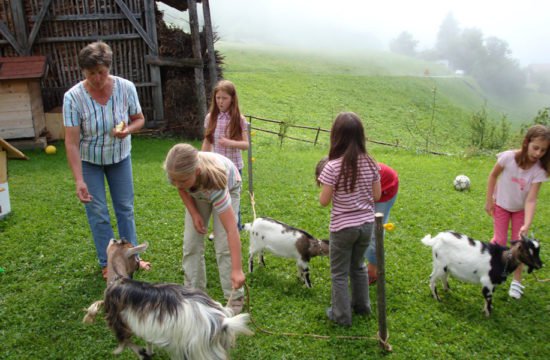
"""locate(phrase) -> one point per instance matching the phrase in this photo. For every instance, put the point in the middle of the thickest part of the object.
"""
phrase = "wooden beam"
(86, 17)
(199, 75)
(172, 61)
(45, 40)
(151, 25)
(18, 16)
(152, 45)
(210, 44)
(37, 24)
(10, 38)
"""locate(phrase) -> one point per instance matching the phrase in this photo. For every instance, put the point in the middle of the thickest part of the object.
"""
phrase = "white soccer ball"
(461, 183)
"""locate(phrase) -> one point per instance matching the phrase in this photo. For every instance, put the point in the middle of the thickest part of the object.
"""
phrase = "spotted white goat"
(182, 320)
(286, 241)
(478, 262)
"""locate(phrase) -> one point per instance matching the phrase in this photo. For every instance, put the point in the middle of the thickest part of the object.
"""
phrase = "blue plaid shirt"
(96, 121)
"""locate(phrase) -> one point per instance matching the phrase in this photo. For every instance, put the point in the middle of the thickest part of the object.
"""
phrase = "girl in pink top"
(519, 175)
(350, 179)
(226, 131)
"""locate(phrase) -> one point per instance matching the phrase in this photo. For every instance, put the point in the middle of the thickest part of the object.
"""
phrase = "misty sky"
(355, 24)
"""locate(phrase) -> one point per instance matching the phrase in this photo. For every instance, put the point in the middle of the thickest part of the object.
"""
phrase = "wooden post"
(151, 25)
(381, 283)
(208, 32)
(250, 177)
(199, 74)
(18, 14)
(317, 136)
(281, 133)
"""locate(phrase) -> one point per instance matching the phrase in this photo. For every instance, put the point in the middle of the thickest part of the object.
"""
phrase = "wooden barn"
(173, 71)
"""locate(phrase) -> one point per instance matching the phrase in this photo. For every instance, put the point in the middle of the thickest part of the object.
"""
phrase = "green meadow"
(50, 273)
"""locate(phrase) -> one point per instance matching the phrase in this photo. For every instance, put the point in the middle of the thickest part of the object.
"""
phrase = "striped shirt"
(355, 208)
(96, 121)
(222, 126)
(220, 199)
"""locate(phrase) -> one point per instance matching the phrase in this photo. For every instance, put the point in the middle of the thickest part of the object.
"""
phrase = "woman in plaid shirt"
(99, 114)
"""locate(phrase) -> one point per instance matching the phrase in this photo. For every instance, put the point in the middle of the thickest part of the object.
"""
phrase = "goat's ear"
(137, 250)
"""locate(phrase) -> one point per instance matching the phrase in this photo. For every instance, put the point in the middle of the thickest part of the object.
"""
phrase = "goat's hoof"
(144, 355)
(118, 350)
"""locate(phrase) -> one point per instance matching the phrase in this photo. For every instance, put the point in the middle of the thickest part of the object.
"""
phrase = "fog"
(362, 24)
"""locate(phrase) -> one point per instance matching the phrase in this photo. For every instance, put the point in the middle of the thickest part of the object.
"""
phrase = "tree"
(404, 44)
(470, 50)
(497, 71)
(448, 37)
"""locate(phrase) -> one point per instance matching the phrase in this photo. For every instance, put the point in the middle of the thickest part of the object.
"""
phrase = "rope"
(252, 203)
(383, 343)
(540, 280)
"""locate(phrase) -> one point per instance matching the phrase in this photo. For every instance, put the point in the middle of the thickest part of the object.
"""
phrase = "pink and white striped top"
(222, 127)
(355, 208)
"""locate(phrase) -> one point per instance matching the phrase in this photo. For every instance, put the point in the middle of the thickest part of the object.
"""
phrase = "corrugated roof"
(22, 67)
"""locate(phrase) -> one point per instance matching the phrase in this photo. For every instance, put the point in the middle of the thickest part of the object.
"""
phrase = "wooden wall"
(62, 27)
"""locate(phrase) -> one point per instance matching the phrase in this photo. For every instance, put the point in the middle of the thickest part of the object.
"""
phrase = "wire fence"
(308, 134)
(284, 130)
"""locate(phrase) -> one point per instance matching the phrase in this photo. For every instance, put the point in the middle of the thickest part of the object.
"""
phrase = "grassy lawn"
(50, 271)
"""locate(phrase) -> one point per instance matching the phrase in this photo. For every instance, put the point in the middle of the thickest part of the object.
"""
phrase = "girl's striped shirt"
(355, 208)
(220, 199)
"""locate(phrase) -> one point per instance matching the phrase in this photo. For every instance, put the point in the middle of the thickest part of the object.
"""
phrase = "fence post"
(381, 283)
(281, 133)
(250, 180)
(317, 136)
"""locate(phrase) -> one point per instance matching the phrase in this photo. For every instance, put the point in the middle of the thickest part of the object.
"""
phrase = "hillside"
(390, 93)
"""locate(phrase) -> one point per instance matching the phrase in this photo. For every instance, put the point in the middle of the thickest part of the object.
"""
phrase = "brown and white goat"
(477, 262)
(184, 321)
(285, 241)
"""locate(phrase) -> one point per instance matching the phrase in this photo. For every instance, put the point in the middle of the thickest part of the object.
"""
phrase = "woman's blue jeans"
(121, 188)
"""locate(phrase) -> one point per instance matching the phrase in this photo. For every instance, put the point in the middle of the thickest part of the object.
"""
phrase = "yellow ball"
(50, 150)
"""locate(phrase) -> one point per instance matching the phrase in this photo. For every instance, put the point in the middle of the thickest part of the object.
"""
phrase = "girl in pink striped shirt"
(225, 129)
(351, 180)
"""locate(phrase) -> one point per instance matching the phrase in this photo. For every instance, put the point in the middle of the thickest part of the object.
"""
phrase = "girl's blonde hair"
(183, 159)
(234, 131)
(534, 132)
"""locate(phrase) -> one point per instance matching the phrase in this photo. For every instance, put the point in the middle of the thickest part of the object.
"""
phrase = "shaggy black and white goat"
(286, 241)
(478, 262)
(184, 321)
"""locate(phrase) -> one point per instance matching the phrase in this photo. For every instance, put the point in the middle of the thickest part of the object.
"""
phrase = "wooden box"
(5, 207)
(6, 150)
(54, 124)
(21, 109)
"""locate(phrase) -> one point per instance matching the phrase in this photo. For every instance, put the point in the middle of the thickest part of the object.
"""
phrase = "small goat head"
(528, 253)
(122, 257)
